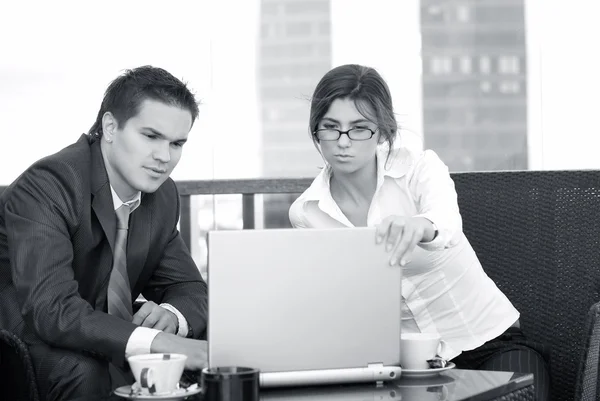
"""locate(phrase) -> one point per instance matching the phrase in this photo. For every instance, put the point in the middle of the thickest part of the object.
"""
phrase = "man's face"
(142, 153)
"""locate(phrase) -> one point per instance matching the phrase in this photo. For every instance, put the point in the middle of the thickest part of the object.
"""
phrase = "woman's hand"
(401, 234)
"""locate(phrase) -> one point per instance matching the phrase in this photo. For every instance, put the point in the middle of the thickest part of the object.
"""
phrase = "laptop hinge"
(374, 365)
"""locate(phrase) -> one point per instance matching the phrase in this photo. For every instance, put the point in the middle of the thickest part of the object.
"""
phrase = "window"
(500, 14)
(480, 39)
(298, 29)
(485, 65)
(485, 86)
(324, 28)
(463, 13)
(301, 7)
(434, 13)
(441, 65)
(465, 65)
(509, 87)
(508, 65)
(269, 8)
(464, 89)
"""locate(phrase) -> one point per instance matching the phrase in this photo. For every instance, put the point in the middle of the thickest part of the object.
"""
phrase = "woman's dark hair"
(126, 93)
(364, 86)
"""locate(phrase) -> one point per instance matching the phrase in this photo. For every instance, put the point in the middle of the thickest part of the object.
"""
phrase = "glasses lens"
(328, 134)
(360, 134)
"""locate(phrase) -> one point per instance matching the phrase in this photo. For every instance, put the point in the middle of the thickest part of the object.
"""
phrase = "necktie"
(119, 290)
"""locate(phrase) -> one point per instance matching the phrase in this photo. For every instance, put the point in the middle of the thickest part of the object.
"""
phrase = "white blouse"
(444, 287)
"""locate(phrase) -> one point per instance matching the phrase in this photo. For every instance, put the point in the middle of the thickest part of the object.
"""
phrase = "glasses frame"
(347, 132)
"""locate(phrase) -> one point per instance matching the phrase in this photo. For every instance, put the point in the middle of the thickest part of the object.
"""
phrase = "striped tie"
(119, 291)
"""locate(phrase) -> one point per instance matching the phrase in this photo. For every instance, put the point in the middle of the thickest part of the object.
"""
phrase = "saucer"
(433, 381)
(426, 372)
(179, 394)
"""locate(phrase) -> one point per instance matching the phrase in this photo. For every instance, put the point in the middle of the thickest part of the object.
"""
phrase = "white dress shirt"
(444, 287)
(141, 339)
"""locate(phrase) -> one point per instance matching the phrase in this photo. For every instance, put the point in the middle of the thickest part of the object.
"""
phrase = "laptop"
(305, 306)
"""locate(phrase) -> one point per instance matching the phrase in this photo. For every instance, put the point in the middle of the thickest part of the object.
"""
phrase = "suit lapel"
(102, 203)
(104, 209)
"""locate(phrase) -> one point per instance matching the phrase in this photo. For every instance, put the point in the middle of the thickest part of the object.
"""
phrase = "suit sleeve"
(42, 214)
(177, 280)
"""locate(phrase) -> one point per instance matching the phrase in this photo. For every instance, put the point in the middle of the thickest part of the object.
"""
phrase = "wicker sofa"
(537, 234)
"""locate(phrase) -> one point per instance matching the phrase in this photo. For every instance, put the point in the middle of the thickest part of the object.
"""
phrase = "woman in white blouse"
(410, 198)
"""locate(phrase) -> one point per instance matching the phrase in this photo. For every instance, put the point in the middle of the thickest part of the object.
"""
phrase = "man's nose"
(163, 153)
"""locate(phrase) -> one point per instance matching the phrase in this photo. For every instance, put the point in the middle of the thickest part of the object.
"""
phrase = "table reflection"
(453, 385)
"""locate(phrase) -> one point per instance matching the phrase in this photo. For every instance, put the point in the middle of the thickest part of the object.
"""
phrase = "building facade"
(475, 83)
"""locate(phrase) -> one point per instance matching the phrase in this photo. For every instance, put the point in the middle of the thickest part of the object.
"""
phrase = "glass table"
(452, 385)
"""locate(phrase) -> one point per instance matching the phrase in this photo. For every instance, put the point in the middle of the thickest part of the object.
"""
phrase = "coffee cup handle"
(147, 380)
(441, 349)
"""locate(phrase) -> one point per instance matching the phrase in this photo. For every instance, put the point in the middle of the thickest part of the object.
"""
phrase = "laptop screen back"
(302, 299)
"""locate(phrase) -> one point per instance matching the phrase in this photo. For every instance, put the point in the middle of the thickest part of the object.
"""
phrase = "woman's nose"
(344, 140)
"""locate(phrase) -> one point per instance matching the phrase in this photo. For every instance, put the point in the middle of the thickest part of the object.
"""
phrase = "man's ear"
(109, 126)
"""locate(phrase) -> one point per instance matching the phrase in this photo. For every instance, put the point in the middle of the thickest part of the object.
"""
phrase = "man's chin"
(150, 187)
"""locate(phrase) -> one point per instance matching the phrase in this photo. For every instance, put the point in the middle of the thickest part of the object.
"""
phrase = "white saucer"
(426, 372)
(433, 381)
(179, 394)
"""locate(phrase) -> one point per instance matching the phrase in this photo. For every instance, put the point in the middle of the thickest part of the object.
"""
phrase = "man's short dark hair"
(126, 93)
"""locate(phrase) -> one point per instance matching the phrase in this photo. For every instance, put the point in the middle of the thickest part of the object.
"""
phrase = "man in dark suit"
(87, 230)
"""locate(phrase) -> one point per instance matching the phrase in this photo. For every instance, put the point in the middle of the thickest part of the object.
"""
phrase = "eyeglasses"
(332, 134)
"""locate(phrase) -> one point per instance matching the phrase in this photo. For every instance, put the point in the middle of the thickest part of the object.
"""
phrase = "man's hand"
(196, 350)
(402, 234)
(156, 317)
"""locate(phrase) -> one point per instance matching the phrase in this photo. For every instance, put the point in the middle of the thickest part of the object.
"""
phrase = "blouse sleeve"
(436, 198)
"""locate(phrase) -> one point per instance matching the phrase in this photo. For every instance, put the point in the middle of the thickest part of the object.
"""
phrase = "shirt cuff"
(140, 341)
(440, 241)
(182, 323)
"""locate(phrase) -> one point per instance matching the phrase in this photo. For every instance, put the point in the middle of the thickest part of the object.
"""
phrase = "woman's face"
(345, 155)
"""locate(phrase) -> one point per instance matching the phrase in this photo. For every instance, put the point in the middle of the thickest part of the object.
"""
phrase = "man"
(84, 231)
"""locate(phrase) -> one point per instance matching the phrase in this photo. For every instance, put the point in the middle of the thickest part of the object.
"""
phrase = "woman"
(411, 200)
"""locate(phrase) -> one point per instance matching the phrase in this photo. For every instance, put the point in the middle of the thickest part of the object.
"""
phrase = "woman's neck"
(357, 187)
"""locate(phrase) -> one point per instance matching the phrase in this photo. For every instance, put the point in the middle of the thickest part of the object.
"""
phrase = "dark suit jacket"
(57, 231)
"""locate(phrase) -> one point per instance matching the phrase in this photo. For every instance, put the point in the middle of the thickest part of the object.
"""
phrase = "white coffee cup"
(417, 348)
(157, 374)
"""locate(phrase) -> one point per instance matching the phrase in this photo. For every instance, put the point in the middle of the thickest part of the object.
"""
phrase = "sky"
(57, 57)
(564, 82)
